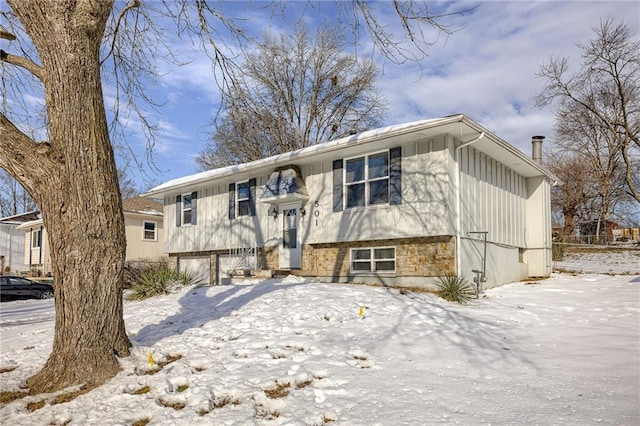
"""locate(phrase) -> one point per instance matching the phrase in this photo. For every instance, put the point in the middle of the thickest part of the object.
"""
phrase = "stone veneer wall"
(415, 257)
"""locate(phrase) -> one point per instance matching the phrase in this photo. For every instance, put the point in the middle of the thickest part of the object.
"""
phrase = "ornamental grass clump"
(455, 289)
(160, 280)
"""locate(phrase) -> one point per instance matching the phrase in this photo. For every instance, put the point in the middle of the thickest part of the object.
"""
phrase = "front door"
(289, 241)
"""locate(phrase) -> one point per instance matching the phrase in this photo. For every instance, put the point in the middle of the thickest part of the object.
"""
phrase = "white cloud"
(488, 69)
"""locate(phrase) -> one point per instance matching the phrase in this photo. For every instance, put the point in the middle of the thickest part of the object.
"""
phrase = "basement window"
(375, 259)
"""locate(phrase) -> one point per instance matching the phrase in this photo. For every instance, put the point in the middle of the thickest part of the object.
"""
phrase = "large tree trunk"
(74, 181)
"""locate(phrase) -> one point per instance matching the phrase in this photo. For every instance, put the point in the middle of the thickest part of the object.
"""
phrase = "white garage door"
(199, 266)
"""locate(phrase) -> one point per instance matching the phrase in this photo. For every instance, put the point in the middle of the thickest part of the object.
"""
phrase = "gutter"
(458, 213)
(178, 184)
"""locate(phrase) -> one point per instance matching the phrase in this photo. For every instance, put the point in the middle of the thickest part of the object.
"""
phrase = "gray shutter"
(338, 202)
(252, 197)
(395, 176)
(232, 200)
(194, 207)
(178, 210)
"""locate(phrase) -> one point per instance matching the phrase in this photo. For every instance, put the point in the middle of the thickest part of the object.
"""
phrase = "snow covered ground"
(560, 351)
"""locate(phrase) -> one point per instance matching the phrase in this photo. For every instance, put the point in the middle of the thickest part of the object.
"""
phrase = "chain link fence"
(619, 259)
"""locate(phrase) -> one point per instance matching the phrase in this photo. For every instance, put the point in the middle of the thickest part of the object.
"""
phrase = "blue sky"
(486, 70)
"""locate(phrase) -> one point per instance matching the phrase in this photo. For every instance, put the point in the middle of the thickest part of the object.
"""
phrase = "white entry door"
(290, 249)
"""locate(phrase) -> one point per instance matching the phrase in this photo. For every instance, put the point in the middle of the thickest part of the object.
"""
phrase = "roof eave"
(527, 161)
(177, 185)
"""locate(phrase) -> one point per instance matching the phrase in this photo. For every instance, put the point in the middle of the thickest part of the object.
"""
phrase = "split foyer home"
(143, 228)
(399, 205)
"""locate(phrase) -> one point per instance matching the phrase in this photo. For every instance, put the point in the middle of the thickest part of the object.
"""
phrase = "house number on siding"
(316, 213)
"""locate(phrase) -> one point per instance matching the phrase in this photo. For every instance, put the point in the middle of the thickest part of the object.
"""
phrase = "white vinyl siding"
(493, 199)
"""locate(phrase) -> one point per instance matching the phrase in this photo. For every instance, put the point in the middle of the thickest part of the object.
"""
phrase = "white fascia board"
(191, 181)
(502, 151)
(30, 224)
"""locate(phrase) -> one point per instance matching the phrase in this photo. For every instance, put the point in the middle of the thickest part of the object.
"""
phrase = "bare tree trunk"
(73, 178)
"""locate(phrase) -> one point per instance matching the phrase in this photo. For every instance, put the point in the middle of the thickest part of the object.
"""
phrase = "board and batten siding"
(492, 198)
(214, 230)
(426, 208)
(423, 211)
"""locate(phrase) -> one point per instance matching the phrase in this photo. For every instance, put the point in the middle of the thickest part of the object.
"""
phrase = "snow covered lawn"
(562, 351)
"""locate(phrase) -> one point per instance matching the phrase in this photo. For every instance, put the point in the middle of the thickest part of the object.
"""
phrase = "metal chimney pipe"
(536, 151)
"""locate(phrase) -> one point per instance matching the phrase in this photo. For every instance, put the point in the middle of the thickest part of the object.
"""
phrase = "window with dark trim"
(186, 212)
(243, 198)
(375, 259)
(368, 180)
(186, 209)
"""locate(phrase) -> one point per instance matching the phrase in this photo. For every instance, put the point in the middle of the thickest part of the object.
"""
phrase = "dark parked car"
(21, 288)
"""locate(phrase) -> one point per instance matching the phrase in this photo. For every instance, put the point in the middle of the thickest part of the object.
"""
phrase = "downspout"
(458, 212)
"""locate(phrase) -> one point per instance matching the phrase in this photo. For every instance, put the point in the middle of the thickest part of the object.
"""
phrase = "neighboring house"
(399, 205)
(597, 231)
(626, 235)
(143, 228)
(12, 242)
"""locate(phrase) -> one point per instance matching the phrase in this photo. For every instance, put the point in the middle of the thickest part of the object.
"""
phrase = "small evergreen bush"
(160, 279)
(454, 289)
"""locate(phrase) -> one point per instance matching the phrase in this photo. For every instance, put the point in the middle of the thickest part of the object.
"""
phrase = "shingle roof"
(141, 205)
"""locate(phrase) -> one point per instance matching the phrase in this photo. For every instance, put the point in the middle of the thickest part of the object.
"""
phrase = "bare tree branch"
(25, 63)
(123, 12)
(21, 154)
(598, 107)
(293, 92)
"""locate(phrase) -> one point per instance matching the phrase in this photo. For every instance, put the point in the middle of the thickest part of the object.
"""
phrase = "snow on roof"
(360, 138)
(139, 205)
(142, 205)
(20, 218)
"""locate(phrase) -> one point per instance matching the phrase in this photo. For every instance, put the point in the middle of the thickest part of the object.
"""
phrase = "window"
(377, 259)
(36, 238)
(186, 209)
(367, 180)
(149, 231)
(186, 212)
(243, 198)
(289, 228)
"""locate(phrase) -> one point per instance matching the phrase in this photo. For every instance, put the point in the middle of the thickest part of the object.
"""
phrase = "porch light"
(273, 211)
